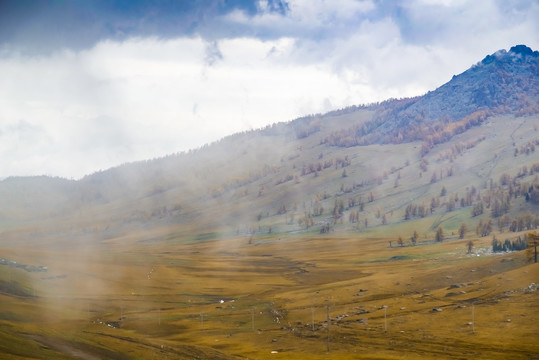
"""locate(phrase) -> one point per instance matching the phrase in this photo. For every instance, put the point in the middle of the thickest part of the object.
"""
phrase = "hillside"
(350, 168)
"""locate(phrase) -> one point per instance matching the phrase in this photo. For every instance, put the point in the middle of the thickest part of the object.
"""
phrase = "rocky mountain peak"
(517, 53)
(502, 83)
(524, 50)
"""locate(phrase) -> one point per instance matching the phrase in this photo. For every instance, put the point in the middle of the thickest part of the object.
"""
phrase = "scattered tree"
(533, 242)
(324, 229)
(462, 230)
(516, 245)
(484, 228)
(414, 238)
(477, 209)
(469, 245)
(440, 234)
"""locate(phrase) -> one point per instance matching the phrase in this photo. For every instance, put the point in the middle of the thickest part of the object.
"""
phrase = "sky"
(88, 85)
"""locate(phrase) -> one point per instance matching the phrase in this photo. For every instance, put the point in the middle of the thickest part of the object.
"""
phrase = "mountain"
(502, 83)
(363, 163)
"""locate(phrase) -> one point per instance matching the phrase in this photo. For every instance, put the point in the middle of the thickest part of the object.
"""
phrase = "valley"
(272, 297)
(399, 230)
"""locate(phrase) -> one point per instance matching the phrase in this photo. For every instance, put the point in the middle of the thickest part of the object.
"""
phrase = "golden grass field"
(151, 296)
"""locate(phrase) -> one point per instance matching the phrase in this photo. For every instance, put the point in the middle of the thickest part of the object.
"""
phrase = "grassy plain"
(268, 297)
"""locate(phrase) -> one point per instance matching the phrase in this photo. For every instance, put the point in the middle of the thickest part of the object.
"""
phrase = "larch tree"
(469, 245)
(414, 237)
(439, 234)
(533, 242)
(462, 230)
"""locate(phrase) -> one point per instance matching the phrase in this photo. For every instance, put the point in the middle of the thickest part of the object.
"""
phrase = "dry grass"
(204, 299)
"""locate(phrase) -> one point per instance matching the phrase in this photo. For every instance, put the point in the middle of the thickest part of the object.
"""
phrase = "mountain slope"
(502, 83)
(356, 169)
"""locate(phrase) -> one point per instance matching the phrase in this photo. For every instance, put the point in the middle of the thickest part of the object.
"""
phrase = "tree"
(433, 205)
(533, 242)
(477, 209)
(469, 245)
(462, 230)
(496, 245)
(338, 209)
(439, 234)
(414, 238)
(324, 229)
(353, 217)
(484, 228)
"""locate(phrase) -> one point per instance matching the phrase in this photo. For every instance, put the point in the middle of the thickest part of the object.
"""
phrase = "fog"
(232, 181)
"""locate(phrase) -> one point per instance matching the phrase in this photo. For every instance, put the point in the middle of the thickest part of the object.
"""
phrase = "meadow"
(287, 296)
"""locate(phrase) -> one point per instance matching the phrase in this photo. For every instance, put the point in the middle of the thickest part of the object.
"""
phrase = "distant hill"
(464, 152)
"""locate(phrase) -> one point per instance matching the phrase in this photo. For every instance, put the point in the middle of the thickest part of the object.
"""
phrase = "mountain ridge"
(501, 83)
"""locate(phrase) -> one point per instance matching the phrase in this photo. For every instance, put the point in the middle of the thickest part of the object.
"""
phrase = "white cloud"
(74, 112)
(310, 19)
(123, 101)
(324, 11)
(446, 3)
